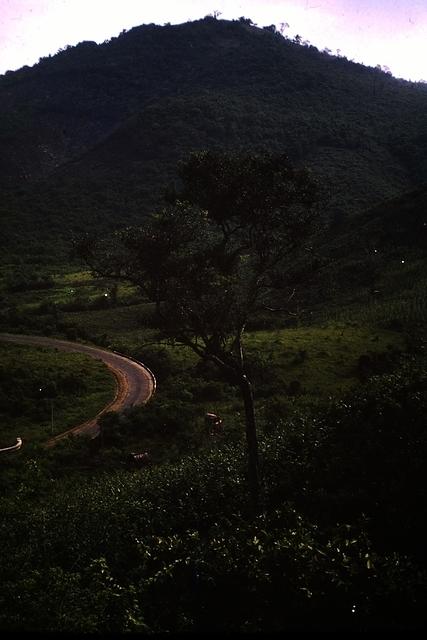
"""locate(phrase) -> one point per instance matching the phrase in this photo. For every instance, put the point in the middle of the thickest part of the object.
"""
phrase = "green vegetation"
(35, 382)
(340, 537)
(339, 544)
(210, 261)
(291, 367)
(339, 541)
(92, 539)
(93, 134)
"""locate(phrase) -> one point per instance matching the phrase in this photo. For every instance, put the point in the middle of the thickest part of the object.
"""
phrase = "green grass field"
(291, 367)
(81, 387)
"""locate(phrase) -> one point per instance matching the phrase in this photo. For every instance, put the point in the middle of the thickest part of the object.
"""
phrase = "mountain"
(91, 137)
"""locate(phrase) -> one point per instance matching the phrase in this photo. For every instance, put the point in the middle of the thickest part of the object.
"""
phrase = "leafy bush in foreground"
(177, 548)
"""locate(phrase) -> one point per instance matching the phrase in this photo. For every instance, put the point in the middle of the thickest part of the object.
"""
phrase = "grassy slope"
(320, 359)
(375, 296)
(84, 386)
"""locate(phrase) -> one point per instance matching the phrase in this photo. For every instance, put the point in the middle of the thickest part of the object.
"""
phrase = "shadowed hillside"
(90, 136)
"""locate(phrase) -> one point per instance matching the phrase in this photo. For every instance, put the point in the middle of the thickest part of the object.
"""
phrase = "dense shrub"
(338, 543)
(367, 454)
(157, 359)
(25, 281)
(177, 549)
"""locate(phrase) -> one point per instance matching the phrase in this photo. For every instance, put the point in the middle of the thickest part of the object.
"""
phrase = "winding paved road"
(135, 383)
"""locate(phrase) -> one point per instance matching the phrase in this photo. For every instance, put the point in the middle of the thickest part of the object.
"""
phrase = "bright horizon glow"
(391, 33)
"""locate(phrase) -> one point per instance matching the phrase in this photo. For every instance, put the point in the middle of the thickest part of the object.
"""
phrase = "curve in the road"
(14, 447)
(135, 382)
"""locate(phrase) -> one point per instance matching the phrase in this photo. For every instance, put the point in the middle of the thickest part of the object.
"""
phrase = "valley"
(236, 221)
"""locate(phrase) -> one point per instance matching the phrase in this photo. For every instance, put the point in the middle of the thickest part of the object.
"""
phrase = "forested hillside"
(90, 137)
(276, 481)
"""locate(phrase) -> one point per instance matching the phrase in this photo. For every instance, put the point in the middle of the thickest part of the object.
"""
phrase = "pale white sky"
(386, 32)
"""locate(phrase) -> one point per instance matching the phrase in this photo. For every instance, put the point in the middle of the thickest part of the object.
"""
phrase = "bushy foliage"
(366, 454)
(158, 359)
(337, 545)
(21, 280)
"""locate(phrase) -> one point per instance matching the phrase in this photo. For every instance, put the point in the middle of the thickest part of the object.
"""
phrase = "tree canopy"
(210, 259)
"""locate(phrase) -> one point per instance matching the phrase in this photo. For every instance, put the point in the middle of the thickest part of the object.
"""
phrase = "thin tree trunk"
(239, 378)
(251, 437)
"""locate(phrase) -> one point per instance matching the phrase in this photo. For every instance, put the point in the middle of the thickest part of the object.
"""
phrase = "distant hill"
(90, 137)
